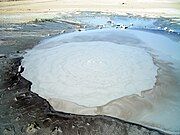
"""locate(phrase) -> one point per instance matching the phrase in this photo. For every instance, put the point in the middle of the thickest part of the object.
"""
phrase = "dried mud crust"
(24, 112)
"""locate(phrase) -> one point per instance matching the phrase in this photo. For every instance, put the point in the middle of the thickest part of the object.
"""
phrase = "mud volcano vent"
(90, 68)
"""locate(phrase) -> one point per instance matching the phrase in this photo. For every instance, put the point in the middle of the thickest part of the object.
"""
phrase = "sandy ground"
(27, 10)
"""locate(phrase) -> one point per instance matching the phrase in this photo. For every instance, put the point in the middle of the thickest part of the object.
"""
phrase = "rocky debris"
(63, 31)
(165, 28)
(20, 69)
(170, 30)
(123, 27)
(100, 26)
(131, 24)
(32, 128)
(57, 131)
(8, 132)
(2, 56)
(109, 22)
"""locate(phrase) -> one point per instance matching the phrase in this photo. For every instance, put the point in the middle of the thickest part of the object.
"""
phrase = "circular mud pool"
(112, 72)
(90, 73)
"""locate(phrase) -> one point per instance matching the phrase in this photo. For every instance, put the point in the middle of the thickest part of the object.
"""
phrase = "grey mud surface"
(23, 112)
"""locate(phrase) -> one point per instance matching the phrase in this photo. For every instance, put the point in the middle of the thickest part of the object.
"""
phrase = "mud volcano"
(99, 71)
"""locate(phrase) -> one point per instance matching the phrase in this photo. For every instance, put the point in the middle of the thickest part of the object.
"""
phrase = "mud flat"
(25, 112)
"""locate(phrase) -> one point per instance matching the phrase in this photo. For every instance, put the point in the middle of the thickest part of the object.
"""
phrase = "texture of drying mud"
(131, 107)
(24, 112)
(144, 108)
